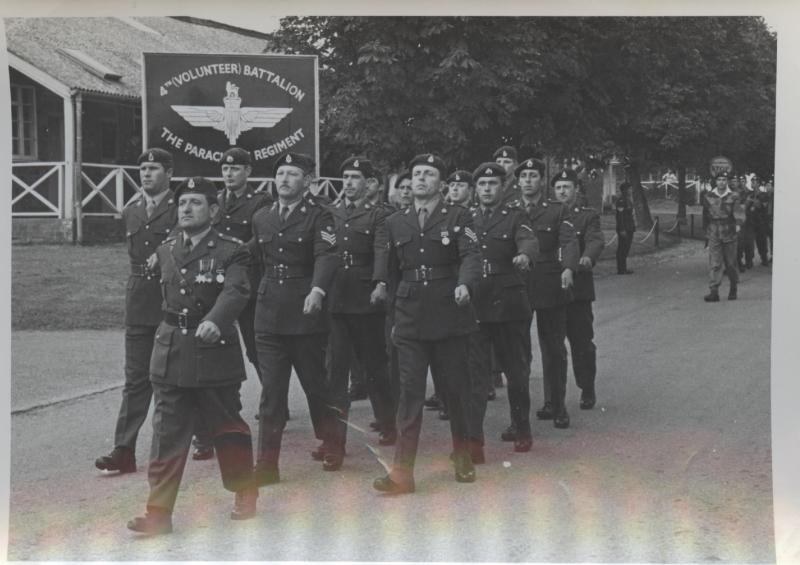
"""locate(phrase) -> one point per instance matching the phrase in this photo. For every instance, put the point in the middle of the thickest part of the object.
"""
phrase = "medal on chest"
(445, 237)
(206, 267)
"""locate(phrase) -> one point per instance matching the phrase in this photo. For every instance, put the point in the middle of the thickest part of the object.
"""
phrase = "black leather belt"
(183, 321)
(141, 270)
(423, 273)
(491, 268)
(288, 271)
(356, 259)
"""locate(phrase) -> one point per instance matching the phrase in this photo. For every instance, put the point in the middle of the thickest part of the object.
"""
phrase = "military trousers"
(761, 235)
(580, 334)
(277, 355)
(745, 246)
(721, 259)
(137, 390)
(449, 357)
(551, 326)
(176, 410)
(624, 241)
(363, 335)
(247, 328)
(510, 342)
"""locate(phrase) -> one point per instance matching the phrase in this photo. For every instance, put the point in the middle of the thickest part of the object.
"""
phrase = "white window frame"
(16, 106)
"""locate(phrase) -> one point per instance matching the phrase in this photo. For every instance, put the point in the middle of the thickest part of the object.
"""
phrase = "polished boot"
(712, 296)
(509, 434)
(545, 412)
(464, 469)
(388, 486)
(561, 418)
(588, 399)
(120, 459)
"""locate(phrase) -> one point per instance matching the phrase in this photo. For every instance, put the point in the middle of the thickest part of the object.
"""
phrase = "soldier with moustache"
(238, 202)
(435, 260)
(508, 248)
(197, 367)
(580, 318)
(148, 221)
(357, 299)
(549, 287)
(295, 241)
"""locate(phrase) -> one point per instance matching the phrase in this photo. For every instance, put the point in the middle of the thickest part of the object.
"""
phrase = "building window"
(23, 122)
(108, 141)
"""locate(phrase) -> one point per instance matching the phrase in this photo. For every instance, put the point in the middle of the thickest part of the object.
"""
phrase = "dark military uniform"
(235, 218)
(762, 224)
(626, 228)
(430, 329)
(295, 255)
(558, 250)
(580, 318)
(504, 315)
(745, 246)
(190, 376)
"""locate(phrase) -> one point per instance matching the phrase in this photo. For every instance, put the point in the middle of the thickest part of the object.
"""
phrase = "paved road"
(673, 465)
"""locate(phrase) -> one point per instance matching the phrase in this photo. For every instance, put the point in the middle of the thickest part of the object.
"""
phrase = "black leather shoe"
(388, 486)
(244, 504)
(464, 469)
(492, 395)
(324, 448)
(387, 438)
(357, 393)
(477, 455)
(120, 459)
(732, 293)
(202, 452)
(152, 524)
(332, 461)
(588, 400)
(266, 474)
(523, 444)
(712, 296)
(545, 412)
(432, 402)
(444, 414)
(561, 419)
(509, 434)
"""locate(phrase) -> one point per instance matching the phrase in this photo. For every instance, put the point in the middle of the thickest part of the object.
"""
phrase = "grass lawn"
(66, 287)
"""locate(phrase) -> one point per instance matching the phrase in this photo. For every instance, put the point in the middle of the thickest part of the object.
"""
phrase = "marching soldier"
(763, 221)
(197, 366)
(580, 317)
(237, 204)
(296, 245)
(745, 245)
(435, 258)
(506, 157)
(460, 188)
(402, 197)
(720, 205)
(626, 228)
(508, 246)
(357, 299)
(549, 287)
(148, 222)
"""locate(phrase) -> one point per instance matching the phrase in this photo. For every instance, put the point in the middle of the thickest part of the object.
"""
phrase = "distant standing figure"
(626, 227)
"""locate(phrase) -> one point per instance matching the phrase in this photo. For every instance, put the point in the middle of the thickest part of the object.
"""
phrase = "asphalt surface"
(672, 465)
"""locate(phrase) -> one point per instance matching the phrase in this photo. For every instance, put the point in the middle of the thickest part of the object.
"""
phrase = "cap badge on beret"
(458, 177)
(355, 163)
(288, 158)
(488, 171)
(430, 158)
(230, 159)
(505, 153)
(530, 163)
(563, 174)
(190, 184)
(150, 156)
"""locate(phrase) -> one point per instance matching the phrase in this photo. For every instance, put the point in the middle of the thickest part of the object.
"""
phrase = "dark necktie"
(150, 207)
(486, 213)
(350, 208)
(284, 213)
(423, 215)
(230, 201)
(187, 246)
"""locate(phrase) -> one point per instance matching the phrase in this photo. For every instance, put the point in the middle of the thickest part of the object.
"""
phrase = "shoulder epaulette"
(136, 200)
(230, 238)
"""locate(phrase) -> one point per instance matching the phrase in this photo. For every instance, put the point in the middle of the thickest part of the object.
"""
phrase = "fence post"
(120, 192)
(691, 225)
(656, 231)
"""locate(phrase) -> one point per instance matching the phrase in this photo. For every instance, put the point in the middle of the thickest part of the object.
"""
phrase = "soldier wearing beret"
(401, 196)
(720, 205)
(506, 157)
(148, 222)
(762, 221)
(295, 242)
(508, 247)
(435, 261)
(237, 204)
(460, 188)
(549, 286)
(580, 317)
(357, 299)
(197, 366)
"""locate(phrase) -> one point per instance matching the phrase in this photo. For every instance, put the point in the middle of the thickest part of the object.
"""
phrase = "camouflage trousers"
(721, 260)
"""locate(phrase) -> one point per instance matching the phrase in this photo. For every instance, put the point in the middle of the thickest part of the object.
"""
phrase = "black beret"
(358, 163)
(530, 164)
(489, 169)
(198, 185)
(722, 174)
(236, 156)
(506, 151)
(430, 160)
(461, 175)
(566, 174)
(156, 155)
(402, 176)
(299, 160)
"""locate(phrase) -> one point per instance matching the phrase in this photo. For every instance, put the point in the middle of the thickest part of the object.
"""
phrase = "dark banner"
(198, 105)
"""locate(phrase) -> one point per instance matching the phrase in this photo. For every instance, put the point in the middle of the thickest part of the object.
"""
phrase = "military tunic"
(722, 237)
(745, 246)
(504, 314)
(580, 318)
(191, 377)
(762, 225)
(430, 329)
(558, 250)
(142, 311)
(295, 255)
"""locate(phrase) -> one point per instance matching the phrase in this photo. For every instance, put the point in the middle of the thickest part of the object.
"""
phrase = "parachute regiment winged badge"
(231, 119)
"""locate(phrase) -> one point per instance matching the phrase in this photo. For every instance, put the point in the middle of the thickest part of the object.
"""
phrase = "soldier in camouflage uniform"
(720, 205)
